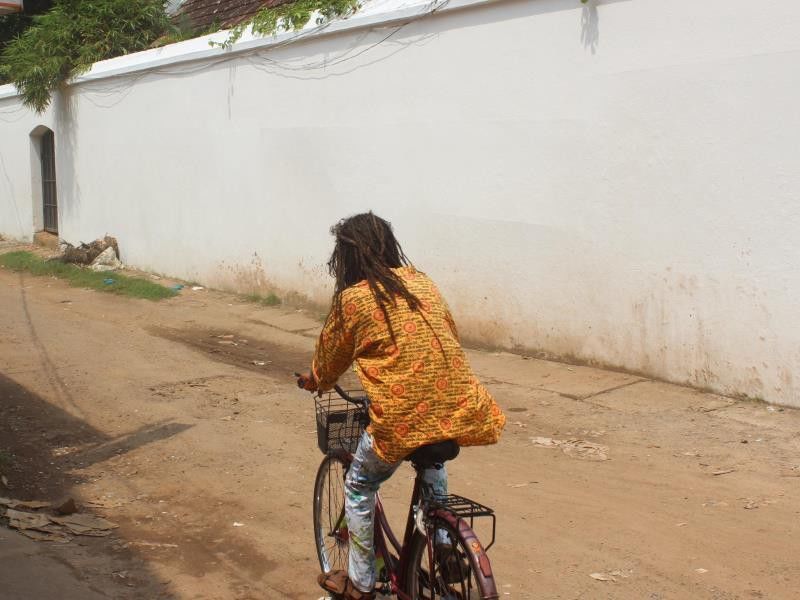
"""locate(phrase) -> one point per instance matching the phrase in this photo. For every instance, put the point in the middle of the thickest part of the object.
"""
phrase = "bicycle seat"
(430, 455)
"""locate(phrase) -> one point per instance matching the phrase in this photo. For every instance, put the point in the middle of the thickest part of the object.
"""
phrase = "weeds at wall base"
(134, 287)
(268, 300)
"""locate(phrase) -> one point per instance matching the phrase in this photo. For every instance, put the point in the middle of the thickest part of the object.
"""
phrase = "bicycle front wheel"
(330, 528)
(453, 567)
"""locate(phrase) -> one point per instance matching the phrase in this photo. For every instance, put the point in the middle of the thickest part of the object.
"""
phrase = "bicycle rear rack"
(465, 508)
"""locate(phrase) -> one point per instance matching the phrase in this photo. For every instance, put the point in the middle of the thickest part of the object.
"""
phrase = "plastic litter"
(85, 254)
(575, 448)
(545, 442)
(611, 575)
(26, 504)
(80, 524)
(18, 519)
(106, 261)
(42, 526)
(723, 472)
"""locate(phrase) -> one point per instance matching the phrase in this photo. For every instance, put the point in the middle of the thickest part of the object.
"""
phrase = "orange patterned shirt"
(421, 387)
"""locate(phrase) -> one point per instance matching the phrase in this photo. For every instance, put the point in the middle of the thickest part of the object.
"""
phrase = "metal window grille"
(49, 183)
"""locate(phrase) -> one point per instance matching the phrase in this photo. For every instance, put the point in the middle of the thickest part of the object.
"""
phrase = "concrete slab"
(28, 570)
(657, 397)
(290, 321)
(572, 381)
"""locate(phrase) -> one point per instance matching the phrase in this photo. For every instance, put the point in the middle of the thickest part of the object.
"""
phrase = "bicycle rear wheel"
(330, 529)
(453, 572)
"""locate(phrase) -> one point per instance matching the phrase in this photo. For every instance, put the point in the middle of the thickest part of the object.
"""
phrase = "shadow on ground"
(43, 450)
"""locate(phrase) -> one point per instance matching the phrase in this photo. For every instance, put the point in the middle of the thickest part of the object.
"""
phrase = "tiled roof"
(225, 13)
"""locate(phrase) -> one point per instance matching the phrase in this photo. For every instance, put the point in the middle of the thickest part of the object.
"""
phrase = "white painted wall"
(616, 183)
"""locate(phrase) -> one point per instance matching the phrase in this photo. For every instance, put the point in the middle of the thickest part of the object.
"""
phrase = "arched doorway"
(47, 154)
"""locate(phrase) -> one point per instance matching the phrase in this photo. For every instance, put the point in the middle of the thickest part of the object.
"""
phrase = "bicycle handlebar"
(348, 397)
(345, 396)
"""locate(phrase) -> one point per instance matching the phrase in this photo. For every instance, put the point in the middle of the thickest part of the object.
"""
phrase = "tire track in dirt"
(56, 382)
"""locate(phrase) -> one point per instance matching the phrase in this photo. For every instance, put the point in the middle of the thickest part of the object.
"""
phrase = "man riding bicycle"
(390, 321)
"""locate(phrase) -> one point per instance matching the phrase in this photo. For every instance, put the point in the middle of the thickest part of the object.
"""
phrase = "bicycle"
(440, 556)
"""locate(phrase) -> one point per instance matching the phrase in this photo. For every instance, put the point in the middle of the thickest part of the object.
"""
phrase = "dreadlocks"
(366, 249)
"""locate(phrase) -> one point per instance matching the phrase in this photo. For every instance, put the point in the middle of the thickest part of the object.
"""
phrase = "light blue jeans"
(367, 472)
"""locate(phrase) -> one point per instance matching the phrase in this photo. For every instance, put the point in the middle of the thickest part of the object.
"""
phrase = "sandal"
(338, 583)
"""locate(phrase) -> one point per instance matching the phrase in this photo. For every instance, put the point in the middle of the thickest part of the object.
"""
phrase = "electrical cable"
(255, 57)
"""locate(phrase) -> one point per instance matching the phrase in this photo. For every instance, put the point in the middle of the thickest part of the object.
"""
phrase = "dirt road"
(158, 417)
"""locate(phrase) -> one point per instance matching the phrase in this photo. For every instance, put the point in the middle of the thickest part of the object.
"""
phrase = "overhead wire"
(20, 108)
(256, 57)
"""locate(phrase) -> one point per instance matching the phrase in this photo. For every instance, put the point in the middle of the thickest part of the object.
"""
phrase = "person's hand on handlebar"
(307, 382)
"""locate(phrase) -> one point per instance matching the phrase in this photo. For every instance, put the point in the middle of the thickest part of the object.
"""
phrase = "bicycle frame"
(386, 541)
(396, 568)
(397, 564)
(445, 509)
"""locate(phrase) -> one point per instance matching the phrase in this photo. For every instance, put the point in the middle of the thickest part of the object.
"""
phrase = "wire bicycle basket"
(340, 423)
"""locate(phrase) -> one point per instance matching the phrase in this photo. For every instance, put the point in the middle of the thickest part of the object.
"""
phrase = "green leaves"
(69, 38)
(72, 36)
(291, 16)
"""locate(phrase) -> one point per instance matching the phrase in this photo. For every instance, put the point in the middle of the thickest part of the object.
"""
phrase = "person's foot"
(338, 583)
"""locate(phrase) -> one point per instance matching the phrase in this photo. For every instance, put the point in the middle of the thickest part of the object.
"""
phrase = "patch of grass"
(268, 300)
(134, 287)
